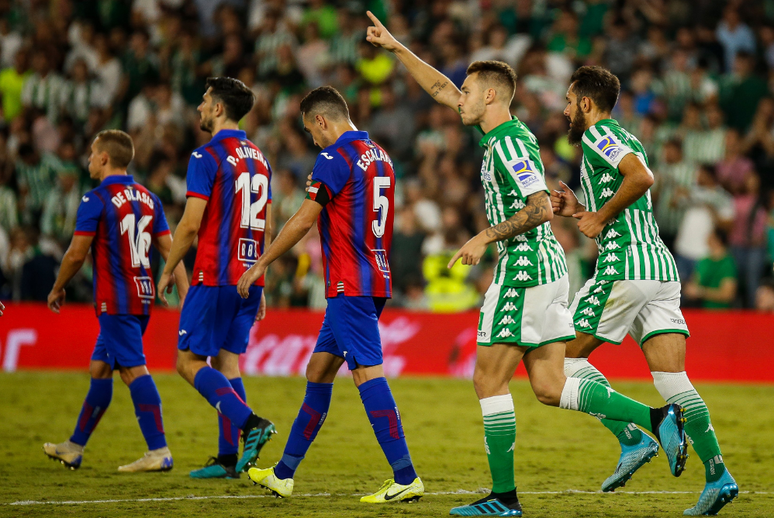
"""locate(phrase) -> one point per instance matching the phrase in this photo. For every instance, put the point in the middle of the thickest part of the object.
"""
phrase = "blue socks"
(147, 408)
(385, 420)
(228, 437)
(310, 419)
(218, 391)
(94, 406)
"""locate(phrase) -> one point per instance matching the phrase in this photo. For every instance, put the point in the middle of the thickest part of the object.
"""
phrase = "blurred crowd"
(698, 91)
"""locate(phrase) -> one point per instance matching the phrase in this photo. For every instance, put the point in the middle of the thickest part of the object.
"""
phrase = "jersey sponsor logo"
(522, 261)
(606, 193)
(610, 258)
(610, 271)
(512, 292)
(247, 250)
(144, 288)
(606, 178)
(611, 234)
(523, 247)
(505, 333)
(486, 176)
(584, 323)
(373, 155)
(588, 312)
(525, 172)
(510, 306)
(609, 147)
(196, 155)
(517, 204)
(380, 255)
(507, 319)
(522, 276)
(593, 300)
(612, 245)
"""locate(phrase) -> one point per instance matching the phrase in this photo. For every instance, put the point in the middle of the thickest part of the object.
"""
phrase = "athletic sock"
(627, 433)
(603, 402)
(97, 401)
(385, 419)
(310, 419)
(147, 408)
(675, 387)
(500, 441)
(228, 434)
(220, 394)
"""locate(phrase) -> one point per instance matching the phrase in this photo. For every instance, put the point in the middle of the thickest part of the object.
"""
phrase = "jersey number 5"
(259, 185)
(381, 205)
(139, 242)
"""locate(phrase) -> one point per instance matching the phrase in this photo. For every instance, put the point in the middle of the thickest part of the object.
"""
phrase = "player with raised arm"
(229, 208)
(524, 316)
(636, 288)
(351, 198)
(118, 220)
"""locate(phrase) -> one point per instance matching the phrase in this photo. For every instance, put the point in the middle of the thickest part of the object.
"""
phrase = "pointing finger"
(375, 19)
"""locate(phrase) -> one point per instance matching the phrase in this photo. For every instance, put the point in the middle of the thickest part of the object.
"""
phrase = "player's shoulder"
(94, 196)
(332, 155)
(205, 154)
(605, 142)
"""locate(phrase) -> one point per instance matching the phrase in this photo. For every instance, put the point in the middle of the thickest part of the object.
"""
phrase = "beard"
(205, 124)
(577, 128)
(474, 114)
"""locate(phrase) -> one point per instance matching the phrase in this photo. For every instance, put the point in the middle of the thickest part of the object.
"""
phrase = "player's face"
(576, 117)
(471, 104)
(206, 109)
(312, 127)
(95, 165)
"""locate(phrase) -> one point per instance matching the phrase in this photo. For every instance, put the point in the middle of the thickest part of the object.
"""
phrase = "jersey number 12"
(259, 185)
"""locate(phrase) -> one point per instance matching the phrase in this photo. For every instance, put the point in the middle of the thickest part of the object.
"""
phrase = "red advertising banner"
(732, 346)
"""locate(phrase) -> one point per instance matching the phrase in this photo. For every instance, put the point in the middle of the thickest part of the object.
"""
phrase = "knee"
(488, 385)
(100, 370)
(315, 374)
(182, 365)
(548, 394)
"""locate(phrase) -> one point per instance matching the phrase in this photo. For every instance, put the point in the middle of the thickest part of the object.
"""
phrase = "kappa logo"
(196, 155)
(513, 193)
(523, 247)
(512, 292)
(606, 178)
(612, 246)
(518, 204)
(583, 323)
(505, 333)
(510, 306)
(610, 271)
(612, 233)
(522, 276)
(507, 319)
(522, 261)
(599, 290)
(606, 193)
(593, 300)
(521, 238)
(588, 312)
(610, 258)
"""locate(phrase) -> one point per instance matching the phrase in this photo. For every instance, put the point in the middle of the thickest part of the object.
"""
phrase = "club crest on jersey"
(609, 147)
(525, 172)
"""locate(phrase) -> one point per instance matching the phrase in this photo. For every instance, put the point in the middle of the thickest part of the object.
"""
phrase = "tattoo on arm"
(535, 213)
(437, 87)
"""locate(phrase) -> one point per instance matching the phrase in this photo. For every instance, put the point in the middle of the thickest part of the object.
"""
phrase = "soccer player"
(351, 198)
(118, 220)
(524, 316)
(2, 308)
(636, 288)
(228, 206)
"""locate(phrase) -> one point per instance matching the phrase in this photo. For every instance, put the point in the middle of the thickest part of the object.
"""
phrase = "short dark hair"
(236, 97)
(598, 84)
(118, 146)
(497, 74)
(327, 101)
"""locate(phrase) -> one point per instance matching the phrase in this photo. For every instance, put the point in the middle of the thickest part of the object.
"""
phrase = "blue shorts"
(120, 340)
(350, 330)
(215, 318)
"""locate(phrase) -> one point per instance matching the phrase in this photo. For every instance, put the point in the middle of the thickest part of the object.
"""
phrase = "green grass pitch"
(561, 457)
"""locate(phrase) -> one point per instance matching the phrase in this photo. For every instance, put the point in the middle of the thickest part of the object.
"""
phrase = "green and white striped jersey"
(511, 172)
(629, 246)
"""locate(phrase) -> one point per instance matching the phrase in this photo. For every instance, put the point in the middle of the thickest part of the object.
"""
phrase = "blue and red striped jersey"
(123, 216)
(231, 173)
(356, 223)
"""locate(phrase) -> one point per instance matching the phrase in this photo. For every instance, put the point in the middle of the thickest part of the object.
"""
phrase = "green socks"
(500, 440)
(603, 402)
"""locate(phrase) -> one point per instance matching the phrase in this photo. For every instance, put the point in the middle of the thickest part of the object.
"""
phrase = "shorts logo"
(518, 205)
(505, 333)
(612, 246)
(606, 178)
(507, 319)
(598, 290)
(523, 247)
(678, 321)
(611, 234)
(182, 332)
(482, 334)
(583, 323)
(588, 312)
(593, 300)
(511, 293)
(510, 306)
(513, 193)
(522, 261)
(610, 271)
(610, 258)
(606, 193)
(609, 147)
(525, 172)
(522, 276)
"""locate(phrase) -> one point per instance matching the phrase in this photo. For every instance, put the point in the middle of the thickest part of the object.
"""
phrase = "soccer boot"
(490, 506)
(715, 496)
(282, 488)
(214, 469)
(68, 453)
(392, 492)
(671, 434)
(254, 439)
(632, 459)
(154, 460)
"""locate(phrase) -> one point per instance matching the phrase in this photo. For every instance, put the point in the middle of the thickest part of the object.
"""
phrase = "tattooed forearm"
(536, 212)
(437, 87)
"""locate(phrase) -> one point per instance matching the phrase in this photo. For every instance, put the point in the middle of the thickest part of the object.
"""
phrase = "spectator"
(313, 56)
(43, 88)
(713, 284)
(286, 197)
(80, 93)
(35, 175)
(701, 145)
(271, 37)
(734, 169)
(748, 237)
(735, 36)
(406, 257)
(12, 80)
(764, 297)
(673, 177)
(741, 91)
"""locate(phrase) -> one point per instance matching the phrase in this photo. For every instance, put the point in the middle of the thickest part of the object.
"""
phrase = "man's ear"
(491, 95)
(320, 121)
(585, 104)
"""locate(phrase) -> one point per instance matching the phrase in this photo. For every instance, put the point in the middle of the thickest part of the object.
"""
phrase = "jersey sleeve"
(271, 173)
(604, 149)
(200, 177)
(332, 170)
(160, 225)
(89, 212)
(523, 173)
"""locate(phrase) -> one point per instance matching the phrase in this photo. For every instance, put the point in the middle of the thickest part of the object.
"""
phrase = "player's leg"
(70, 452)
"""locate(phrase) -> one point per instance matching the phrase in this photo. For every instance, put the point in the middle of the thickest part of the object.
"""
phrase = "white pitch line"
(311, 495)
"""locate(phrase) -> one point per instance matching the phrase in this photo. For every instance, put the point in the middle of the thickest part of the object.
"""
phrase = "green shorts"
(529, 317)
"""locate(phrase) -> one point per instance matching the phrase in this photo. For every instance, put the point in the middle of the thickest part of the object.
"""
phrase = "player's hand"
(308, 182)
(261, 308)
(471, 252)
(564, 202)
(248, 279)
(379, 36)
(2, 308)
(166, 283)
(589, 223)
(55, 300)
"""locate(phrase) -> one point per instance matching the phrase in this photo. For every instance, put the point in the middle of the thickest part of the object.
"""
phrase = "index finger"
(375, 19)
(454, 259)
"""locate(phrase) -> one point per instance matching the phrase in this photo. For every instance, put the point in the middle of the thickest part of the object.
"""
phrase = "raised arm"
(435, 83)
